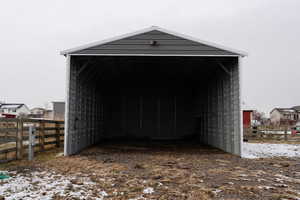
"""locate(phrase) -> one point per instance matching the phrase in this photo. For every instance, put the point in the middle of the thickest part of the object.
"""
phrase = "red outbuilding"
(247, 117)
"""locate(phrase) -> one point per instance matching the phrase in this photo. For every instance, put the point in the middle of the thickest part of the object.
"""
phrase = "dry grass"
(186, 172)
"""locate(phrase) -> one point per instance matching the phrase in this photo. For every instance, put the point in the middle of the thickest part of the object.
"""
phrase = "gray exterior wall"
(167, 44)
(58, 110)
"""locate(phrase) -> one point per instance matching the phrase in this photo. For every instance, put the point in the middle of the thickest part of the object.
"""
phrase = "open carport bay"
(154, 98)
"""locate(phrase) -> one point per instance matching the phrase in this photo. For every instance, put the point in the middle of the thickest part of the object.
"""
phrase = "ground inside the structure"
(140, 172)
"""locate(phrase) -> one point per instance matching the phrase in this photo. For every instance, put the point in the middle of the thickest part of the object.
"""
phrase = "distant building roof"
(11, 105)
(287, 110)
(38, 108)
(296, 108)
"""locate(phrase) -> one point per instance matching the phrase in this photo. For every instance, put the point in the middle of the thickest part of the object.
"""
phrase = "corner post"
(240, 102)
(66, 130)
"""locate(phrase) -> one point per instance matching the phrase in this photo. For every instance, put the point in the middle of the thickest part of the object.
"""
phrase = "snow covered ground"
(50, 185)
(47, 185)
(276, 132)
(264, 150)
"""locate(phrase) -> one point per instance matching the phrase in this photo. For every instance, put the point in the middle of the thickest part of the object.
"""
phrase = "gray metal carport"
(153, 84)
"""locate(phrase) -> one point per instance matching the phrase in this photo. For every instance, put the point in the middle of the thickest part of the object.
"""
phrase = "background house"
(13, 110)
(285, 116)
(297, 108)
(56, 111)
(37, 112)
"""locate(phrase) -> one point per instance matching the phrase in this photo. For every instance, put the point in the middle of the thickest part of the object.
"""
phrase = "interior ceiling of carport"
(110, 67)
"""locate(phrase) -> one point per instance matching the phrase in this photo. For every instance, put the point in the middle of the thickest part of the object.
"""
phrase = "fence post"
(31, 144)
(285, 133)
(19, 138)
(42, 135)
(57, 133)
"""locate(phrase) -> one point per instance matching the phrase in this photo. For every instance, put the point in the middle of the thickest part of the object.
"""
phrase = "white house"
(284, 116)
(37, 112)
(13, 110)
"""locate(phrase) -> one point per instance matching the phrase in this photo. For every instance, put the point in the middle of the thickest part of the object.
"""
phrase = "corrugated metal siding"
(217, 110)
(84, 117)
(220, 112)
(167, 44)
(148, 112)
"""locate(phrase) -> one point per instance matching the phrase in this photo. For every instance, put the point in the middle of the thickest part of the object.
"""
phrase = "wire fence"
(267, 133)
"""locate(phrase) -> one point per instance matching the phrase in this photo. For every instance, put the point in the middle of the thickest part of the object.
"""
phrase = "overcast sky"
(34, 31)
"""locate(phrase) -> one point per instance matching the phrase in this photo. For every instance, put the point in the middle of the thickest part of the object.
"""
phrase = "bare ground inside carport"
(175, 171)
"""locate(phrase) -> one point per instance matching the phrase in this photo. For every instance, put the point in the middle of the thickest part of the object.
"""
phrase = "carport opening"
(149, 98)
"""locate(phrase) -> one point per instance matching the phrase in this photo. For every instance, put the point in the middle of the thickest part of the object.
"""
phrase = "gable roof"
(190, 45)
(296, 108)
(37, 108)
(11, 105)
(285, 110)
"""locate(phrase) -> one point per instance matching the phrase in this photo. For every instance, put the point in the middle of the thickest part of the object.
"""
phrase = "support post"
(224, 68)
(66, 130)
(31, 144)
(285, 131)
(19, 142)
(240, 67)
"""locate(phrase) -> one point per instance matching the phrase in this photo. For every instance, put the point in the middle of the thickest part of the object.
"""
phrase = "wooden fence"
(14, 136)
(264, 133)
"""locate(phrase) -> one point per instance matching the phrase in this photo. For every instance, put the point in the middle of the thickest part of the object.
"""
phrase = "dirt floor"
(170, 172)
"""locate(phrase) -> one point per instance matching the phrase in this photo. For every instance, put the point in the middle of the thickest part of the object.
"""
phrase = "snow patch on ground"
(264, 150)
(47, 185)
(148, 190)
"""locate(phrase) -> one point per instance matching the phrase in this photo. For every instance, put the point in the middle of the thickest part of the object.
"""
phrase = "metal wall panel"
(221, 113)
(216, 110)
(153, 113)
(84, 123)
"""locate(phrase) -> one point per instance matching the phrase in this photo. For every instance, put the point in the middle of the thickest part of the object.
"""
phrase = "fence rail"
(14, 136)
(270, 134)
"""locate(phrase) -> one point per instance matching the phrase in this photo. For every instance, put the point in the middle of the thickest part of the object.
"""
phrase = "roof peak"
(151, 28)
